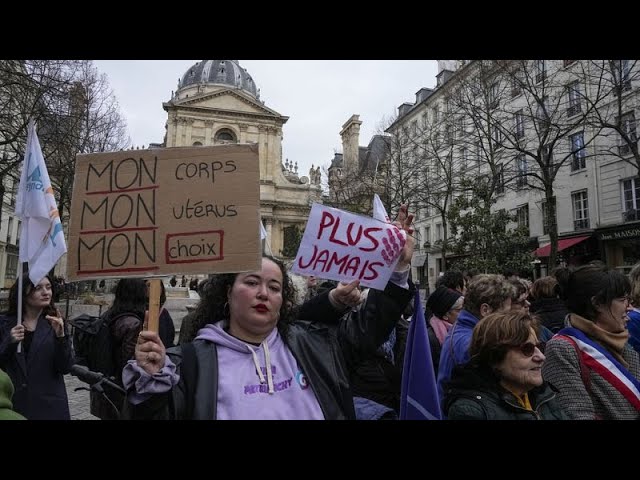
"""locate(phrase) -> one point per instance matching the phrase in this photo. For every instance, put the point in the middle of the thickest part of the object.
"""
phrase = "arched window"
(197, 144)
(225, 136)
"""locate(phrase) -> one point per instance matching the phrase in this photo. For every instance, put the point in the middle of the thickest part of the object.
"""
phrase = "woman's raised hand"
(404, 221)
(150, 353)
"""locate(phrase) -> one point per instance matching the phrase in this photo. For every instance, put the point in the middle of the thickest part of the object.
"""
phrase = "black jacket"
(379, 379)
(326, 350)
(551, 312)
(37, 375)
(475, 394)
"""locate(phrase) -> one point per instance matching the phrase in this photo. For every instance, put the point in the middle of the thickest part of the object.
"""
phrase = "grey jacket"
(596, 401)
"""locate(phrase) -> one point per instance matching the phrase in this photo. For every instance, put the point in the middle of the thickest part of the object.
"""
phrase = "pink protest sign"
(339, 245)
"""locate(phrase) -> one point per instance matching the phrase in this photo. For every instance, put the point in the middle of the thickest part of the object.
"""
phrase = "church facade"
(217, 102)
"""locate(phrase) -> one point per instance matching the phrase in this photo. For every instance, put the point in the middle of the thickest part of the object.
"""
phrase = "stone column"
(276, 237)
(262, 151)
(273, 158)
(172, 131)
(189, 123)
(243, 132)
(180, 126)
(208, 127)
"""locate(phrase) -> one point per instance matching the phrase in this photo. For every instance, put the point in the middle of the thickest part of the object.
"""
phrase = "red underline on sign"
(117, 230)
(122, 191)
(115, 270)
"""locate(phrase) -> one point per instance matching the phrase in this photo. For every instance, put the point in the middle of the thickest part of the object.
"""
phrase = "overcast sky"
(318, 96)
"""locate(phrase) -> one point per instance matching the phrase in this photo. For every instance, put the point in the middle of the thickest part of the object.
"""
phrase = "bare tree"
(89, 121)
(380, 171)
(433, 169)
(350, 189)
(482, 163)
(542, 125)
(28, 89)
(614, 107)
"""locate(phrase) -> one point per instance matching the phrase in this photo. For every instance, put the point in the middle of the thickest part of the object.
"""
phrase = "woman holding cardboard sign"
(255, 360)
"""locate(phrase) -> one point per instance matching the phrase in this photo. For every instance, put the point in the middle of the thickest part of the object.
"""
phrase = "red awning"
(562, 244)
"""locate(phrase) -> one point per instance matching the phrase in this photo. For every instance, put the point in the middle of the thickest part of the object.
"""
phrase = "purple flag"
(419, 394)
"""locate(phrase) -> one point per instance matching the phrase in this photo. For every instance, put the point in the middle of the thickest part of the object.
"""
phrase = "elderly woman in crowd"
(590, 363)
(503, 379)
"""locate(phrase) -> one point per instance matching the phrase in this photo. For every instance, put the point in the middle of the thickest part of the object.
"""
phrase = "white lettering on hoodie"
(260, 383)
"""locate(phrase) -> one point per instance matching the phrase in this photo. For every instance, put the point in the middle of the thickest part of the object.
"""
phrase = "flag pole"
(20, 267)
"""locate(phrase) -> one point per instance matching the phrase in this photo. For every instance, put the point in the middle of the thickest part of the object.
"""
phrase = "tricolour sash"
(598, 359)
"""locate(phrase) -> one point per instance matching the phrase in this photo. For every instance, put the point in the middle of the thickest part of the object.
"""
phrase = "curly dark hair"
(27, 288)
(452, 279)
(211, 308)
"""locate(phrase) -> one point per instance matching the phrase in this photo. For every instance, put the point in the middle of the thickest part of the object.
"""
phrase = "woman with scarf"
(445, 305)
(589, 361)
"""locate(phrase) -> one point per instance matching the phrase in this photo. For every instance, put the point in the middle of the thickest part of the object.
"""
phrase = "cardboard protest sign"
(163, 211)
(339, 245)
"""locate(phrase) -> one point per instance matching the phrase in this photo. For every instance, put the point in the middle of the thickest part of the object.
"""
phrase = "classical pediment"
(233, 100)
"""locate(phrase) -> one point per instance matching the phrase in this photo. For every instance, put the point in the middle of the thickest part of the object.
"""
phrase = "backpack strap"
(189, 373)
(584, 371)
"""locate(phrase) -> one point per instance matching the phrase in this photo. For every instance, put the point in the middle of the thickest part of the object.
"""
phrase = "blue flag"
(419, 394)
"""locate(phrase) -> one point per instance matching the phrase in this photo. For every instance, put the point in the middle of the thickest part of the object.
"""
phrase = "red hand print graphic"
(393, 244)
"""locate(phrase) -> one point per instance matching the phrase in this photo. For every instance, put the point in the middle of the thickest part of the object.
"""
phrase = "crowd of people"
(272, 345)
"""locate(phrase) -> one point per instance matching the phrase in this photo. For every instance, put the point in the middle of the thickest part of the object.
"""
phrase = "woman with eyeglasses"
(503, 379)
(589, 361)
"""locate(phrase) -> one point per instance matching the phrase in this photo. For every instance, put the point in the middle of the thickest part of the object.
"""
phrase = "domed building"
(217, 101)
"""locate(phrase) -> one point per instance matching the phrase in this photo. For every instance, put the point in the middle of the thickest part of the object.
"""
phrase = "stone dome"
(219, 72)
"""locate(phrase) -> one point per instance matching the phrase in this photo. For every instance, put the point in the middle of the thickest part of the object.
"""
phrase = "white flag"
(263, 232)
(379, 212)
(41, 240)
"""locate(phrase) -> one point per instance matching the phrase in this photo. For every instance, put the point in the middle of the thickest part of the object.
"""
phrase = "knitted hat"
(441, 300)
